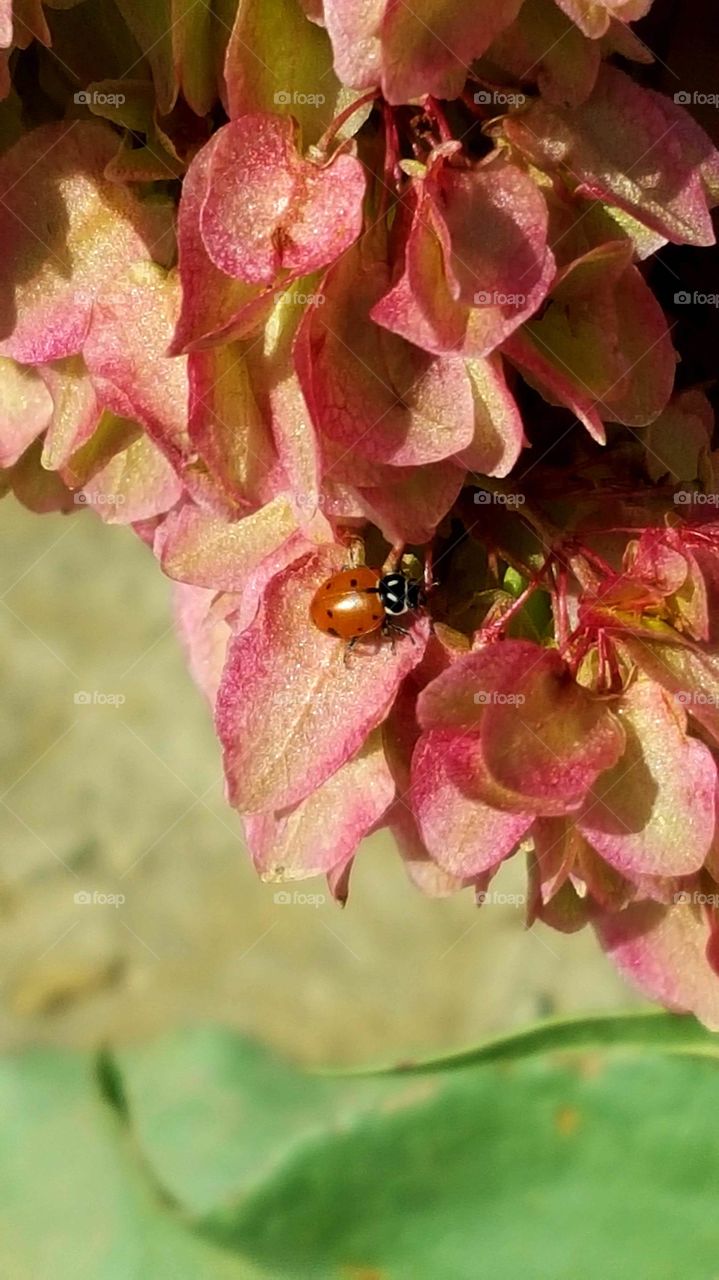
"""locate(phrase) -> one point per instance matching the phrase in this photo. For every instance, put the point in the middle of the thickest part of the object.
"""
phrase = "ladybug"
(356, 602)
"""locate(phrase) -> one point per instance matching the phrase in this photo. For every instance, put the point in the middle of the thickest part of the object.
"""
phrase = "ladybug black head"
(398, 593)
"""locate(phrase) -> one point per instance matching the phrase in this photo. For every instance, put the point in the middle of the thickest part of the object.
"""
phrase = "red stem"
(391, 156)
(496, 628)
(434, 110)
(343, 116)
(562, 617)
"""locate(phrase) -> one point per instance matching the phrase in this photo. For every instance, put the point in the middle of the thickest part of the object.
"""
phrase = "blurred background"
(128, 904)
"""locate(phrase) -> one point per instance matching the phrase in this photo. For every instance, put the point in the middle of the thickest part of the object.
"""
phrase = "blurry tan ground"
(128, 800)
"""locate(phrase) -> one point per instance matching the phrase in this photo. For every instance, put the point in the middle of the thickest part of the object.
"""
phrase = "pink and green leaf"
(291, 708)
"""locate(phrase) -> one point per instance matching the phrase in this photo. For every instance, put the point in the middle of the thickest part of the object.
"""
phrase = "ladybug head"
(399, 593)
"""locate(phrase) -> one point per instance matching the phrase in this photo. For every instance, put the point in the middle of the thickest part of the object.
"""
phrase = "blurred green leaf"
(667, 1032)
(598, 1169)
(215, 1114)
(73, 1204)
(580, 1164)
(181, 1158)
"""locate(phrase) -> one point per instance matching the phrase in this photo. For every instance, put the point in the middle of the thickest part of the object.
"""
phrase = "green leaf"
(591, 1169)
(666, 1032)
(418, 1175)
(214, 1113)
(277, 61)
(184, 42)
(150, 22)
(73, 1206)
(524, 1164)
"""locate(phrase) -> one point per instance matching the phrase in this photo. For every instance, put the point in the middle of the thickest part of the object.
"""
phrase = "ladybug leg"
(392, 629)
(350, 646)
(348, 649)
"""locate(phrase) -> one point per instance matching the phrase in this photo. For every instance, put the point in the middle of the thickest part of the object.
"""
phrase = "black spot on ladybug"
(331, 632)
(375, 617)
(330, 613)
(353, 582)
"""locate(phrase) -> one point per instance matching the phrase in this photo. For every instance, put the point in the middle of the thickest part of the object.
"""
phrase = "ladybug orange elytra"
(356, 602)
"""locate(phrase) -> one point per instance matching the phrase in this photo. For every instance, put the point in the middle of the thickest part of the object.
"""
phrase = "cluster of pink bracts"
(415, 246)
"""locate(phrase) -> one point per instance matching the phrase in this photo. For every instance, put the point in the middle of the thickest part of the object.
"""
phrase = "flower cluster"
(279, 279)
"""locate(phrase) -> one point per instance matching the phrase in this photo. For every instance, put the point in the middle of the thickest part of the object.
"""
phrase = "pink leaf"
(686, 671)
(279, 394)
(422, 870)
(630, 147)
(323, 832)
(25, 409)
(463, 834)
(544, 738)
(460, 293)
(5, 23)
(354, 31)
(267, 210)
(197, 547)
(557, 845)
(551, 744)
(204, 632)
(426, 48)
(372, 391)
(498, 430)
(65, 232)
(291, 708)
(125, 348)
(594, 16)
(407, 503)
(226, 425)
(602, 347)
(214, 306)
(653, 813)
(76, 411)
(663, 952)
(136, 484)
